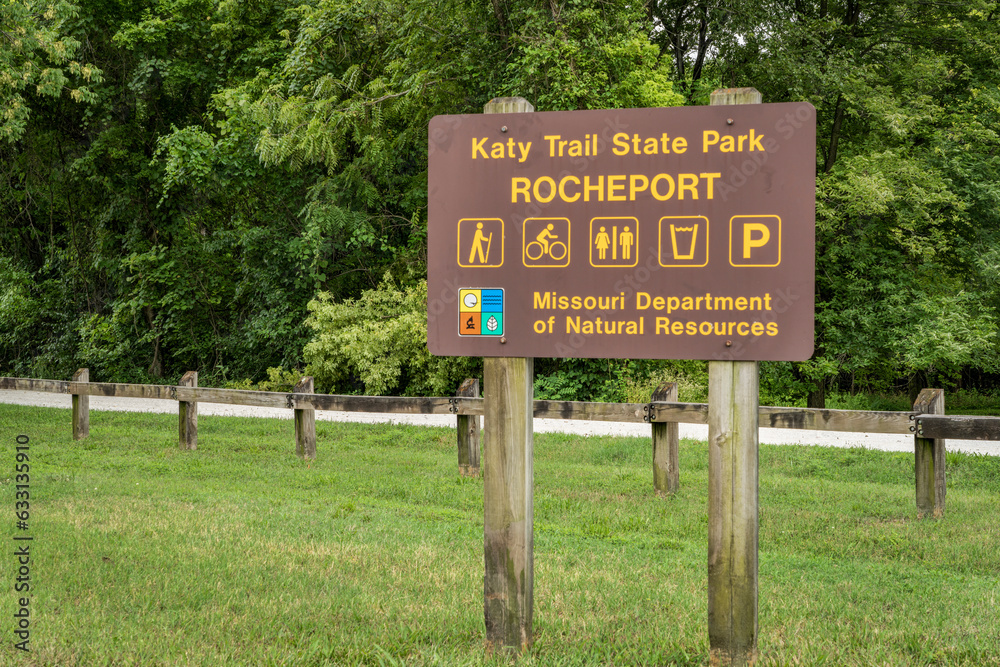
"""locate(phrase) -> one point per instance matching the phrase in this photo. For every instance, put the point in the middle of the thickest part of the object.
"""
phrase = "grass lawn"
(240, 554)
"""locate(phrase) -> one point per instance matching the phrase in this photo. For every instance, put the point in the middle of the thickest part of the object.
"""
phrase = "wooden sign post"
(508, 483)
(733, 388)
(669, 233)
(305, 423)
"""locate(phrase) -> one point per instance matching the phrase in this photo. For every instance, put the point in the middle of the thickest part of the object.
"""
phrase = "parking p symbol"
(755, 240)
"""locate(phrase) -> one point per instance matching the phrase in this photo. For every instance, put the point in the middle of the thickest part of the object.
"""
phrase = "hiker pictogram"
(480, 242)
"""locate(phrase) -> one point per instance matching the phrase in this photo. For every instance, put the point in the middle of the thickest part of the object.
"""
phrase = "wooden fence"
(926, 422)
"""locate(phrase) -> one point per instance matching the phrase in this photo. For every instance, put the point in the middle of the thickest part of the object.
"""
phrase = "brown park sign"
(670, 233)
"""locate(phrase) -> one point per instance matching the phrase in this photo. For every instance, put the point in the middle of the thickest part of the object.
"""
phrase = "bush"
(278, 379)
(20, 312)
(641, 377)
(380, 340)
(577, 379)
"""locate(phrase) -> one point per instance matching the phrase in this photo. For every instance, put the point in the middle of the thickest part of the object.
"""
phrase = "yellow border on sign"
(591, 253)
(659, 240)
(731, 241)
(524, 246)
(458, 243)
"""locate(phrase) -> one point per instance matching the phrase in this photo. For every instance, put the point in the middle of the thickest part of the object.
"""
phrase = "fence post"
(187, 412)
(81, 407)
(467, 427)
(929, 458)
(733, 521)
(305, 423)
(666, 446)
(508, 483)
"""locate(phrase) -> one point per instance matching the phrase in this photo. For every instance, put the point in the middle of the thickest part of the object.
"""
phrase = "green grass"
(240, 554)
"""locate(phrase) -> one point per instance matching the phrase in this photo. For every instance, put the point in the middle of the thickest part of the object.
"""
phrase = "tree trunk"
(817, 396)
(156, 367)
(914, 385)
(838, 119)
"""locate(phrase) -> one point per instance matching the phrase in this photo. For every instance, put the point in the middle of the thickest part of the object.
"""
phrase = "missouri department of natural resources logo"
(480, 311)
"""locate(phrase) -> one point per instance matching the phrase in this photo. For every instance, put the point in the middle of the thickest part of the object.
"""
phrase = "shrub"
(380, 339)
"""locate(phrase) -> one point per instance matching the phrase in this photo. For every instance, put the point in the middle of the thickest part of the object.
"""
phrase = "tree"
(184, 176)
(906, 206)
(39, 59)
(151, 254)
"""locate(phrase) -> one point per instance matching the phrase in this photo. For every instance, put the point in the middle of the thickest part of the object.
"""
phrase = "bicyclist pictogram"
(545, 242)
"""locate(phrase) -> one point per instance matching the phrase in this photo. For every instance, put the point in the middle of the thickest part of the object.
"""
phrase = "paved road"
(776, 436)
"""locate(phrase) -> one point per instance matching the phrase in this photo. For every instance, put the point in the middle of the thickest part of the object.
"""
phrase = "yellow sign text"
(613, 187)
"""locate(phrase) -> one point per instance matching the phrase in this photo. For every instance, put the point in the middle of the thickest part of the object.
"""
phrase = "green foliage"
(869, 401)
(39, 58)
(231, 160)
(957, 401)
(587, 56)
(380, 340)
(576, 379)
(640, 378)
(189, 157)
(906, 203)
(278, 379)
(154, 250)
(35, 329)
(108, 347)
(19, 309)
(780, 382)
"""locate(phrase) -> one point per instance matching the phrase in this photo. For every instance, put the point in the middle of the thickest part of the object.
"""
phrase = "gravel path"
(775, 436)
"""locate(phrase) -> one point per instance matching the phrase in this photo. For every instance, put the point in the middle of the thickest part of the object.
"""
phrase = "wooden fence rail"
(902, 423)
(922, 422)
(816, 419)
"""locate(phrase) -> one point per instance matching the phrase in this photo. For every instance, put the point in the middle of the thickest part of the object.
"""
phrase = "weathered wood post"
(468, 433)
(305, 423)
(666, 446)
(508, 480)
(929, 458)
(81, 407)
(508, 483)
(733, 400)
(187, 412)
